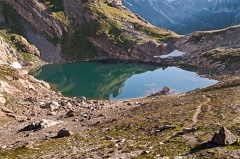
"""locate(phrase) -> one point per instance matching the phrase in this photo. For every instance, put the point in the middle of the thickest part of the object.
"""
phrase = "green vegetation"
(224, 55)
(29, 57)
(16, 41)
(25, 49)
(57, 9)
(116, 23)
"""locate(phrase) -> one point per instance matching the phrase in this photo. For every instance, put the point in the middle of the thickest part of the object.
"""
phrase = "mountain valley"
(38, 122)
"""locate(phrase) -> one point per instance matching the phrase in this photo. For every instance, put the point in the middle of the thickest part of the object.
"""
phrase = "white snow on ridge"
(175, 53)
(16, 65)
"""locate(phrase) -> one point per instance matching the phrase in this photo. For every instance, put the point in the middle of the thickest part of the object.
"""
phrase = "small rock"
(69, 105)
(6, 110)
(4, 147)
(165, 90)
(108, 138)
(188, 130)
(83, 99)
(223, 137)
(3, 100)
(70, 113)
(64, 133)
(31, 99)
(52, 113)
(130, 104)
(51, 105)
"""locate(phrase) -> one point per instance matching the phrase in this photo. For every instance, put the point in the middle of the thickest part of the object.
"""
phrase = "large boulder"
(164, 91)
(40, 124)
(223, 137)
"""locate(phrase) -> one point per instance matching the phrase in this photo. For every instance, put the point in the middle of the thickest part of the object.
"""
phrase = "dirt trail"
(194, 118)
(198, 111)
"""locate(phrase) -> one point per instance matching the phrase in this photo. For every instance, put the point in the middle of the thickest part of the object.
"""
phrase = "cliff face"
(38, 16)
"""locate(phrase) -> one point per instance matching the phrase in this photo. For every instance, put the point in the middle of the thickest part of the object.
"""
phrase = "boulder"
(51, 105)
(64, 132)
(3, 100)
(165, 90)
(40, 124)
(70, 113)
(31, 99)
(223, 137)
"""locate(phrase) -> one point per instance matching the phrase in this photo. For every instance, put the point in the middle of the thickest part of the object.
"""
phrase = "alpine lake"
(118, 81)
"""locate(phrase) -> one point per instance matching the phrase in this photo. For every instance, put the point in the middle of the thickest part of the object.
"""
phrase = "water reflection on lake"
(118, 81)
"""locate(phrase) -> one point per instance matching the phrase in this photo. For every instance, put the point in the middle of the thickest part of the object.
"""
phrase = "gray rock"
(51, 105)
(83, 99)
(70, 113)
(64, 132)
(31, 99)
(40, 124)
(165, 90)
(189, 130)
(223, 137)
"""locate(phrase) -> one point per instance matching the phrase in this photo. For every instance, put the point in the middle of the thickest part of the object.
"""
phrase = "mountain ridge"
(187, 16)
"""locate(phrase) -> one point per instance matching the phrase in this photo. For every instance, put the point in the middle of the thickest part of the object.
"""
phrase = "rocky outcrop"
(35, 13)
(198, 42)
(8, 53)
(223, 137)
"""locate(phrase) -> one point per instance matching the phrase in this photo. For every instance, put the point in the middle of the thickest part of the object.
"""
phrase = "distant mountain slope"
(185, 16)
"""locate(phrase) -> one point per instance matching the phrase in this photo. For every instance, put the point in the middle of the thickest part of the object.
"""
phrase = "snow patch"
(16, 65)
(175, 53)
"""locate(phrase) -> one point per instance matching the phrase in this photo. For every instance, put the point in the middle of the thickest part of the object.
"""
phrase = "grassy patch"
(57, 9)
(224, 55)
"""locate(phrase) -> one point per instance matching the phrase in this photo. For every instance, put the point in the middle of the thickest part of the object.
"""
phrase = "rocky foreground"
(37, 122)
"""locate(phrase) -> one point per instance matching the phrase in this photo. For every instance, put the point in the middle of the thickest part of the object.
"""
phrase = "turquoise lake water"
(119, 80)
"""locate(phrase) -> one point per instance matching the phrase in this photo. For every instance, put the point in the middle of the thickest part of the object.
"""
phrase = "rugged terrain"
(165, 126)
(79, 30)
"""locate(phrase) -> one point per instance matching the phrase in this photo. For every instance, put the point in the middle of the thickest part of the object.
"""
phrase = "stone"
(40, 124)
(64, 133)
(3, 100)
(6, 110)
(223, 137)
(70, 113)
(165, 90)
(189, 130)
(83, 99)
(51, 105)
(31, 99)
